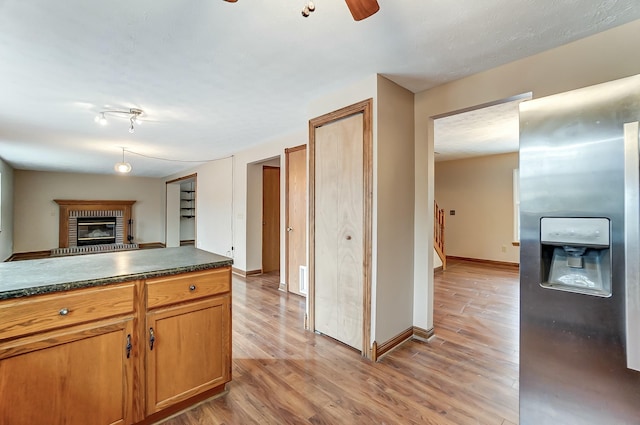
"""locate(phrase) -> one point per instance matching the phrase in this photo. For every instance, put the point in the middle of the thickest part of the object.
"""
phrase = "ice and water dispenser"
(576, 255)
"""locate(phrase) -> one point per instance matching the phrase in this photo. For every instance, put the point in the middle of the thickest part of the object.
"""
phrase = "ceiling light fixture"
(101, 119)
(133, 113)
(360, 9)
(308, 8)
(122, 167)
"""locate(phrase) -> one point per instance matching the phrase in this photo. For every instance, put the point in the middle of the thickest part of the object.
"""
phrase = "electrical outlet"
(504, 248)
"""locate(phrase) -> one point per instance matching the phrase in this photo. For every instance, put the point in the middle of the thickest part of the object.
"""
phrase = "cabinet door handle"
(152, 338)
(192, 287)
(63, 311)
(128, 347)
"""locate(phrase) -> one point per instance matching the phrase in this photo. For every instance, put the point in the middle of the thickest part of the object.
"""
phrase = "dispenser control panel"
(575, 231)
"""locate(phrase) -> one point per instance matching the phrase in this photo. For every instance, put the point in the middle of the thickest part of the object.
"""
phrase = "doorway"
(181, 211)
(188, 212)
(476, 155)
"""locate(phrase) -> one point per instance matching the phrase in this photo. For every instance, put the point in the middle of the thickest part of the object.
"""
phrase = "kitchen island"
(115, 338)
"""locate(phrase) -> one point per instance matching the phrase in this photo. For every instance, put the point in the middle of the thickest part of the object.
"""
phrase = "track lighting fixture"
(308, 8)
(133, 113)
(123, 167)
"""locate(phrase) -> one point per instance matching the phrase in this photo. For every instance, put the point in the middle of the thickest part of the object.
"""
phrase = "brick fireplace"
(94, 226)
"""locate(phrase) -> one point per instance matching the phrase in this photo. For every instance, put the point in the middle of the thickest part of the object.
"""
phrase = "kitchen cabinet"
(84, 356)
(188, 336)
(75, 374)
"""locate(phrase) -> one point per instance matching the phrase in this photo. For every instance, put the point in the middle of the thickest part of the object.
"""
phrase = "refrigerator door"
(578, 351)
(632, 243)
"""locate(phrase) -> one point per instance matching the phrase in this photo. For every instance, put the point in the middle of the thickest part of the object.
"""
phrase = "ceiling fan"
(360, 9)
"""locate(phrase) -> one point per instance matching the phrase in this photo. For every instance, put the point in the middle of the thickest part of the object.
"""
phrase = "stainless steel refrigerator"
(579, 256)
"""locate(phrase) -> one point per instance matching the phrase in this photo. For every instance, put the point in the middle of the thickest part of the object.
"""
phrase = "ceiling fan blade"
(361, 9)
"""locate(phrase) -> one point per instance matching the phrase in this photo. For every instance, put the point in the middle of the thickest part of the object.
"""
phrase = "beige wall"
(606, 56)
(395, 199)
(226, 202)
(36, 214)
(356, 92)
(480, 190)
(247, 239)
(254, 212)
(6, 211)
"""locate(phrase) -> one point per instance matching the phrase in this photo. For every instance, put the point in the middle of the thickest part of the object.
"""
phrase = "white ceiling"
(214, 77)
(485, 131)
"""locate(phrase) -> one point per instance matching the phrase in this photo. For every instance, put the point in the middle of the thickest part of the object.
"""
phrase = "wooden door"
(296, 163)
(190, 351)
(339, 229)
(270, 219)
(77, 376)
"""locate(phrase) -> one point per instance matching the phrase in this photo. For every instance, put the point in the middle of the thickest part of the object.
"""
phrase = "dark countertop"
(33, 277)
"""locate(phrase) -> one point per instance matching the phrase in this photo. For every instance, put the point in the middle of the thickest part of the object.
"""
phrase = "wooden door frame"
(285, 286)
(364, 107)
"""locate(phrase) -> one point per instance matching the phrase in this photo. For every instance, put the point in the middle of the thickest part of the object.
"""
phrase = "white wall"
(606, 56)
(437, 262)
(172, 220)
(395, 210)
(225, 199)
(214, 207)
(6, 211)
(480, 190)
(36, 214)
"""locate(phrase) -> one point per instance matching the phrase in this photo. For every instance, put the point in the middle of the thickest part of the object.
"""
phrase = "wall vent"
(303, 280)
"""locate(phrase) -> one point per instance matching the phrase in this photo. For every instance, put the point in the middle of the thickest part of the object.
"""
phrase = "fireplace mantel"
(67, 205)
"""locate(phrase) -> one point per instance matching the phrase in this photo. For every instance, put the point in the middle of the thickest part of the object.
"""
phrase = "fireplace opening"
(96, 230)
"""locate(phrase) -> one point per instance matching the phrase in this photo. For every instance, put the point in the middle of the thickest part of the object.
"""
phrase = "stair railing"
(438, 233)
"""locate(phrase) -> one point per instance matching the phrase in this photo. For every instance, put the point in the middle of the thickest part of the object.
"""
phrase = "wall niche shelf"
(187, 205)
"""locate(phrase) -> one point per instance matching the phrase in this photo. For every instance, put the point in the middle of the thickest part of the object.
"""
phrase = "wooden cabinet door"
(75, 376)
(191, 350)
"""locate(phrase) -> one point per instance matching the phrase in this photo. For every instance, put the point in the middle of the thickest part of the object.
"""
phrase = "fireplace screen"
(96, 230)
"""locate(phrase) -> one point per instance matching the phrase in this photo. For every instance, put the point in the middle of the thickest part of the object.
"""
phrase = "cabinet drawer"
(23, 316)
(188, 286)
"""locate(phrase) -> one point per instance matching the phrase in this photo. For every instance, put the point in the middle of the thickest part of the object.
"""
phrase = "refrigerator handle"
(632, 243)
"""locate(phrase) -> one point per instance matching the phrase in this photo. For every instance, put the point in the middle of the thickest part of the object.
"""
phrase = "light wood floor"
(466, 374)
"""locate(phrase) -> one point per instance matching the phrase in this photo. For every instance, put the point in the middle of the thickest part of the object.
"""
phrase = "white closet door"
(339, 232)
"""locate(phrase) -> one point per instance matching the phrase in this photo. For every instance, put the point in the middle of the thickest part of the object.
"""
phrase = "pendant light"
(122, 167)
